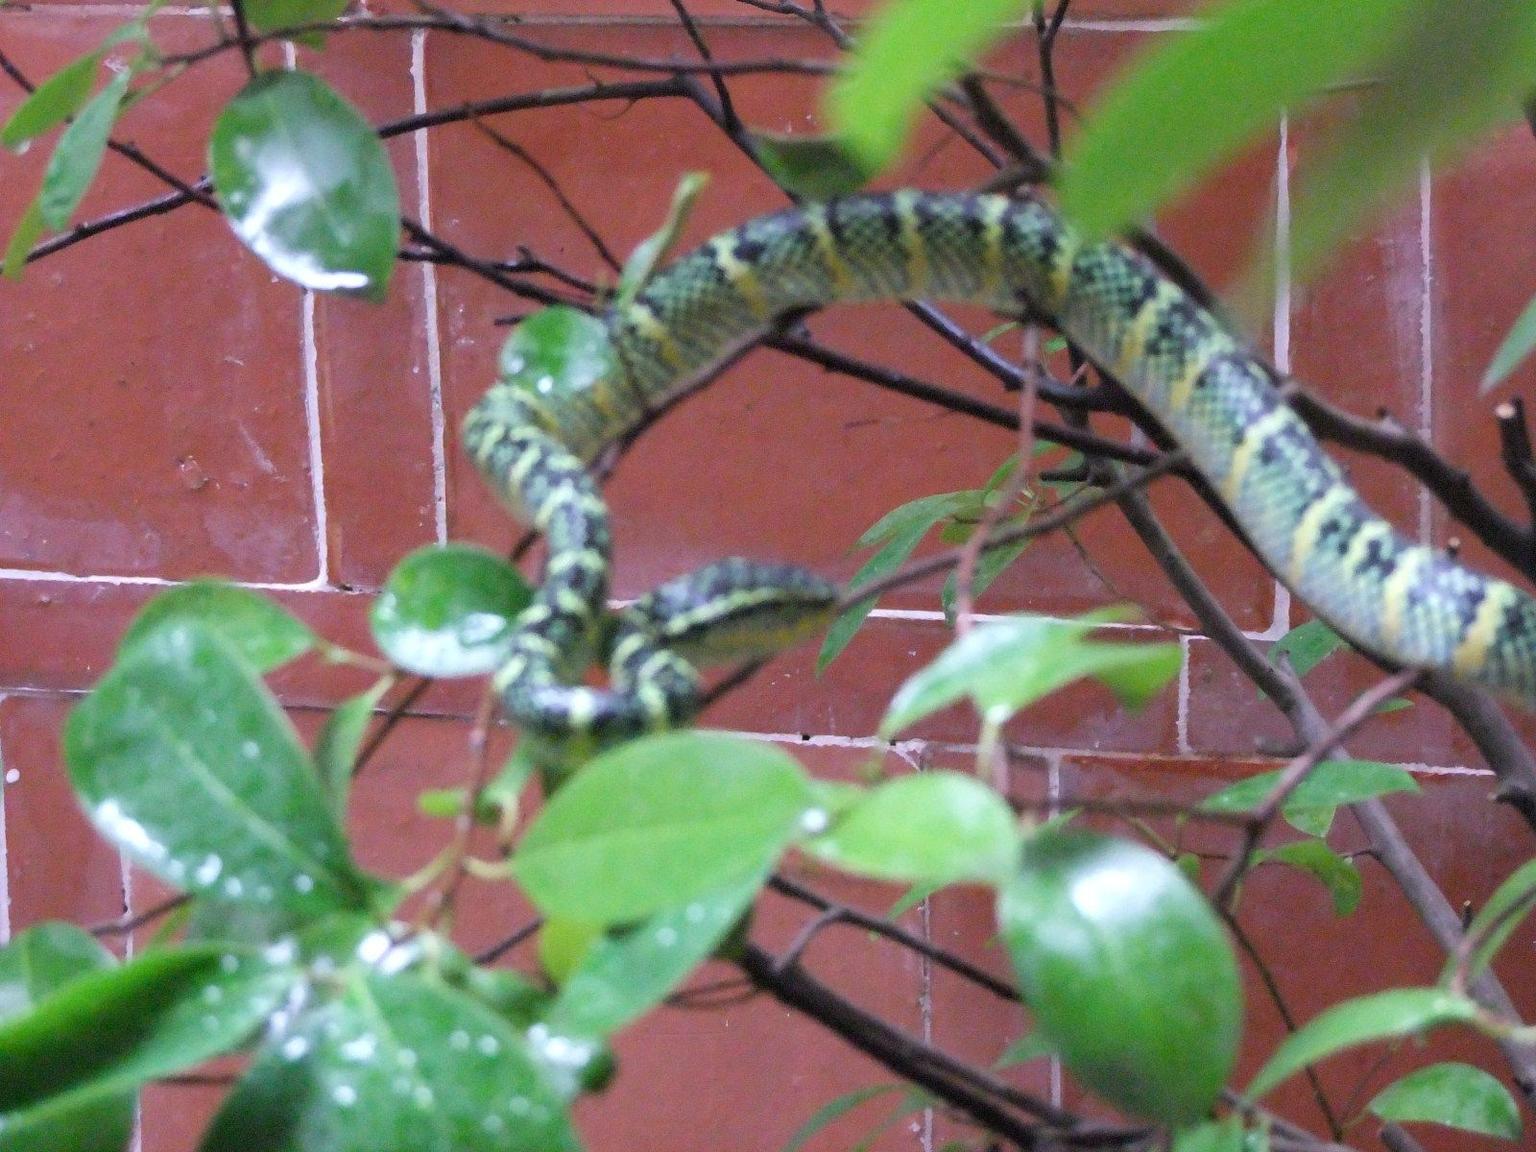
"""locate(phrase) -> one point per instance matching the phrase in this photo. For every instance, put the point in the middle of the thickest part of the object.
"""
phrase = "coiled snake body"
(1406, 603)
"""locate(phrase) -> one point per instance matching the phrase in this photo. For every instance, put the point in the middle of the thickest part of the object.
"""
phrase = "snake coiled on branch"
(1405, 603)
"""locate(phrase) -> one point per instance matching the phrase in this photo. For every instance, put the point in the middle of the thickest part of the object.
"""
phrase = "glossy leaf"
(627, 972)
(906, 51)
(1436, 90)
(394, 1063)
(306, 184)
(339, 741)
(1127, 971)
(564, 944)
(448, 610)
(1306, 646)
(1331, 784)
(1005, 665)
(42, 960)
(77, 156)
(1497, 919)
(659, 822)
(1455, 1095)
(813, 167)
(1382, 1016)
(928, 827)
(54, 101)
(275, 15)
(650, 252)
(262, 631)
(1338, 875)
(184, 760)
(112, 1030)
(1193, 100)
(558, 351)
(1513, 349)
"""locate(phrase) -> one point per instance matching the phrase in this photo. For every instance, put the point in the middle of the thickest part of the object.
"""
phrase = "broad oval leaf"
(1456, 1095)
(906, 51)
(306, 184)
(394, 1063)
(184, 760)
(1224, 1135)
(77, 156)
(1382, 1016)
(561, 351)
(448, 610)
(1330, 785)
(262, 631)
(55, 100)
(624, 974)
(1127, 971)
(112, 1030)
(1306, 646)
(1005, 665)
(660, 822)
(934, 827)
(1195, 98)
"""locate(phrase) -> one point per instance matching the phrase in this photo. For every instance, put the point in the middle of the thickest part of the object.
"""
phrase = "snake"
(1406, 604)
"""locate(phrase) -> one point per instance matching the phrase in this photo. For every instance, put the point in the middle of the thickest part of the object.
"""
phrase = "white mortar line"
(41, 576)
(1181, 714)
(429, 295)
(1280, 622)
(312, 429)
(1426, 334)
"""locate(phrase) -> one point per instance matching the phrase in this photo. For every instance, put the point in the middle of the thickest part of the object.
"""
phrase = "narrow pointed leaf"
(306, 184)
(650, 252)
(1513, 350)
(77, 156)
(17, 249)
(814, 167)
(1329, 785)
(337, 747)
(1455, 1095)
(1497, 920)
(275, 15)
(55, 100)
(1306, 646)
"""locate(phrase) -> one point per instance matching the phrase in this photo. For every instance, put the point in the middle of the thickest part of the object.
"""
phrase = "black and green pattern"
(1407, 604)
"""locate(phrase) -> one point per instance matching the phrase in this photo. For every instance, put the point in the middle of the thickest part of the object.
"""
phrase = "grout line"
(1181, 714)
(125, 873)
(5, 860)
(1426, 335)
(312, 428)
(42, 576)
(1280, 622)
(429, 295)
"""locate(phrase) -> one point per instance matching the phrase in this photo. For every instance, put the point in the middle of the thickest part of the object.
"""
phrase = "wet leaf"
(184, 760)
(77, 156)
(394, 1063)
(306, 184)
(1338, 875)
(448, 610)
(262, 631)
(28, 229)
(558, 351)
(662, 821)
(1382, 1016)
(929, 827)
(1306, 646)
(1330, 785)
(1456, 1095)
(1127, 971)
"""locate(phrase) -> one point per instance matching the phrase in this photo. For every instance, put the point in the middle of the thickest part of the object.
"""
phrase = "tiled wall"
(168, 409)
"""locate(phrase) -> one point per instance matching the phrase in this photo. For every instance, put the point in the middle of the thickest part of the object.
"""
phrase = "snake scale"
(1407, 604)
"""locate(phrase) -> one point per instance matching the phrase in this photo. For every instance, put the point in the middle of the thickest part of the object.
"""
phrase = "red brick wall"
(168, 409)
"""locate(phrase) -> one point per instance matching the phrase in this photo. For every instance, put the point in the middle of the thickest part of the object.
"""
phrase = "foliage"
(365, 1026)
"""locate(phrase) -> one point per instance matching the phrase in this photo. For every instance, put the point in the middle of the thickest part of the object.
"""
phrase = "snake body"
(1408, 604)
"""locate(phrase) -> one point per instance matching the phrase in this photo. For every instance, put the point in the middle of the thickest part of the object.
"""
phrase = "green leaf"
(1435, 91)
(834, 1110)
(54, 101)
(906, 51)
(28, 229)
(262, 631)
(991, 564)
(625, 973)
(1306, 646)
(185, 761)
(1329, 785)
(449, 610)
(1499, 917)
(659, 822)
(560, 352)
(1382, 1016)
(650, 252)
(77, 156)
(275, 15)
(928, 827)
(394, 1063)
(1456, 1095)
(1127, 971)
(306, 184)
(1337, 874)
(1225, 1135)
(1513, 350)
(1193, 100)
(337, 746)
(812, 167)
(110, 1031)
(1024, 1050)
(42, 960)
(1005, 665)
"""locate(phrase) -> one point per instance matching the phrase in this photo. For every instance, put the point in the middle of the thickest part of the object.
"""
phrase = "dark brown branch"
(1515, 449)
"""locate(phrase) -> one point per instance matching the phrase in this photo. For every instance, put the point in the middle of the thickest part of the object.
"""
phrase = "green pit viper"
(1407, 604)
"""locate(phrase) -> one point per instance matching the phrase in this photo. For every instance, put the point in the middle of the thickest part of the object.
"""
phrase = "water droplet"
(208, 871)
(814, 821)
(229, 963)
(12, 775)
(518, 1105)
(212, 994)
(493, 1124)
(694, 913)
(373, 947)
(304, 882)
(250, 749)
(345, 1095)
(666, 937)
(294, 1048)
(423, 1096)
(407, 1057)
(458, 1039)
(488, 1044)
(281, 951)
(234, 887)
(361, 1048)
